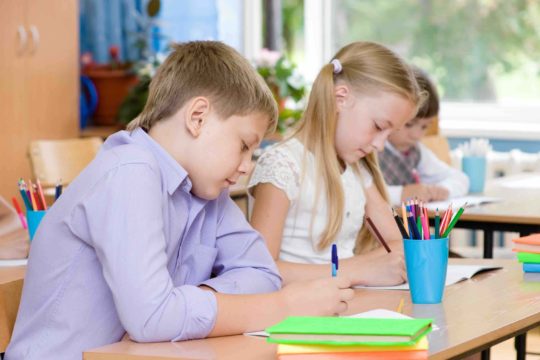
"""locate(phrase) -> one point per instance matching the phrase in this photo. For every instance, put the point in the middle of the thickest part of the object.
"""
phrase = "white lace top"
(281, 166)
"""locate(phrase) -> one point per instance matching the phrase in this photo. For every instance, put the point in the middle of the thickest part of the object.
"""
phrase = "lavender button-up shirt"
(125, 248)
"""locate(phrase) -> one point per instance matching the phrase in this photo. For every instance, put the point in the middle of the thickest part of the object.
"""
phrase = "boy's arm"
(123, 219)
(436, 172)
(243, 264)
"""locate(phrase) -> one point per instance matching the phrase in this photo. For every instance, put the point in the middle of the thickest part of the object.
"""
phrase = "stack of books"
(528, 252)
(335, 338)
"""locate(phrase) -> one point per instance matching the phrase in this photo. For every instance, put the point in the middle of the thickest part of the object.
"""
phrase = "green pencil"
(454, 220)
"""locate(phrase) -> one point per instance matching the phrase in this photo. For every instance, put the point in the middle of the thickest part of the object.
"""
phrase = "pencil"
(41, 195)
(32, 199)
(404, 215)
(378, 234)
(19, 212)
(400, 306)
(437, 222)
(400, 224)
(454, 221)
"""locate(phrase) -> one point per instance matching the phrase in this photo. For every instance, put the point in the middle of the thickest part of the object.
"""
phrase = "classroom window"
(479, 52)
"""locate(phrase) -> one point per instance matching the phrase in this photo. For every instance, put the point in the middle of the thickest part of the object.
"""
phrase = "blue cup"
(426, 262)
(33, 217)
(475, 169)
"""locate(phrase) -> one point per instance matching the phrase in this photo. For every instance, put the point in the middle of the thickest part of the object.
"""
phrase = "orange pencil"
(32, 199)
(42, 196)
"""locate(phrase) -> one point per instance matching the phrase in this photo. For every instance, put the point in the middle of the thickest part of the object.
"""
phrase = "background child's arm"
(269, 213)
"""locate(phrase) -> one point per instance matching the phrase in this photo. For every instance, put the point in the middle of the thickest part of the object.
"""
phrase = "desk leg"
(488, 244)
(485, 354)
(520, 343)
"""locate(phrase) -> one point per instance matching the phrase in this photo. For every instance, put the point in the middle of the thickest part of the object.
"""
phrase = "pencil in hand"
(377, 234)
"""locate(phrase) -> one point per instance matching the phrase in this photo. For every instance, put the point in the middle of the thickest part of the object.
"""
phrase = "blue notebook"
(530, 267)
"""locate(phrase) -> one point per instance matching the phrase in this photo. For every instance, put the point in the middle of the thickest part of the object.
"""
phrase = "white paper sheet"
(454, 274)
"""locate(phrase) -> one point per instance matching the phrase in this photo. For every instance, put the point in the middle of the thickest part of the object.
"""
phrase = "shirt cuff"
(201, 313)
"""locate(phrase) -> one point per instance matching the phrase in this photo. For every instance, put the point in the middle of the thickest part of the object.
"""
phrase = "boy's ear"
(196, 115)
(341, 92)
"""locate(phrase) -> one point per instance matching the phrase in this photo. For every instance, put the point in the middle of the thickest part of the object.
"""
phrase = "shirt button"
(348, 214)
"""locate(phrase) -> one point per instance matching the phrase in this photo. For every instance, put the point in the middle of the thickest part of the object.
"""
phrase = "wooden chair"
(54, 160)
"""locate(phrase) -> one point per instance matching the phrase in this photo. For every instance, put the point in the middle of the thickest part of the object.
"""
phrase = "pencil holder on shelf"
(33, 218)
(426, 262)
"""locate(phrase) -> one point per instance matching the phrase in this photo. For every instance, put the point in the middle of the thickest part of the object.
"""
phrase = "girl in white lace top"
(315, 188)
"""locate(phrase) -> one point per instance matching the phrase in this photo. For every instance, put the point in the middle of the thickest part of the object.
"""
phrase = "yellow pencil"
(404, 214)
(400, 306)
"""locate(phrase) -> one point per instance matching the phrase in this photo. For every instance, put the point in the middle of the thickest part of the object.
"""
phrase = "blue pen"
(335, 259)
(334, 270)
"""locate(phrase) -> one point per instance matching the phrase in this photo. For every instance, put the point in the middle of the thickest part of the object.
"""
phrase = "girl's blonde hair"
(211, 69)
(367, 68)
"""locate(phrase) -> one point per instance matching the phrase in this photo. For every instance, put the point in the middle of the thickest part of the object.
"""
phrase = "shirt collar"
(174, 174)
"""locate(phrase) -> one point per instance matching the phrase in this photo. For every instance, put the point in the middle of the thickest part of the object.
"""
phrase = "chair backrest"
(54, 160)
(439, 145)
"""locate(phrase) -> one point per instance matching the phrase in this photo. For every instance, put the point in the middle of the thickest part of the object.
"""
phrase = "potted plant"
(287, 85)
(112, 81)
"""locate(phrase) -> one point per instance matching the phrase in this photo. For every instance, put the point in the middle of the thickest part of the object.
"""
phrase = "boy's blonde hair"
(368, 68)
(211, 69)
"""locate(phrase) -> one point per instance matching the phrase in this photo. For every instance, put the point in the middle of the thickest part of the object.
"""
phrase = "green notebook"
(526, 257)
(348, 331)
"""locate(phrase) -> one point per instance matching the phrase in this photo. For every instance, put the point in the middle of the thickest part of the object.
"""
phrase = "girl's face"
(365, 121)
(405, 138)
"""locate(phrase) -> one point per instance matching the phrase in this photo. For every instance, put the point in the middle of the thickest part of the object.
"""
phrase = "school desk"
(11, 283)
(518, 212)
(474, 315)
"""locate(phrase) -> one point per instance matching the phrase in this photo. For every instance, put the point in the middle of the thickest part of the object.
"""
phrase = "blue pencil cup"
(426, 262)
(33, 217)
(475, 168)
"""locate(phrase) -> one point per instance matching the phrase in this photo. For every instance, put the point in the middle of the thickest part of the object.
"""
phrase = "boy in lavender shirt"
(147, 241)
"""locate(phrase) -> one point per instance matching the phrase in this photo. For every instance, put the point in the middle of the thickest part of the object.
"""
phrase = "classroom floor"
(506, 351)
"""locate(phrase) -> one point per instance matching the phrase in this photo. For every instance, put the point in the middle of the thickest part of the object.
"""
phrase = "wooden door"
(53, 71)
(13, 109)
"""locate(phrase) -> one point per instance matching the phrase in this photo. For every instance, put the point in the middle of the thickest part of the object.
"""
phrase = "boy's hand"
(438, 193)
(321, 297)
(424, 192)
(420, 191)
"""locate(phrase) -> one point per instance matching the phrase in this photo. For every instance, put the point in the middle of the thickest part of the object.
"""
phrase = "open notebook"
(454, 274)
(459, 201)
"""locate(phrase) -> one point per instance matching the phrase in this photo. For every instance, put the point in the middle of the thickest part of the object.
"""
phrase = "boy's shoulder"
(122, 149)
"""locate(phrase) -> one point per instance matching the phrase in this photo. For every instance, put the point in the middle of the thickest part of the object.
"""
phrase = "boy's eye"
(244, 147)
(377, 126)
(409, 125)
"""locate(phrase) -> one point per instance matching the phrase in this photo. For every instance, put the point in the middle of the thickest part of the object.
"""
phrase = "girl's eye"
(244, 147)
(377, 127)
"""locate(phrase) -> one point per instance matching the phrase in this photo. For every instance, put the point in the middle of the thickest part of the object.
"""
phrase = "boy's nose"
(246, 165)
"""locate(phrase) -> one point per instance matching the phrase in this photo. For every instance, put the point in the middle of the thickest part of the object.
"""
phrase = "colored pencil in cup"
(454, 220)
(41, 195)
(437, 223)
(19, 212)
(400, 225)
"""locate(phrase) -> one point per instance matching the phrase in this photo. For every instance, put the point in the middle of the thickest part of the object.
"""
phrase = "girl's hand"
(322, 297)
(377, 269)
